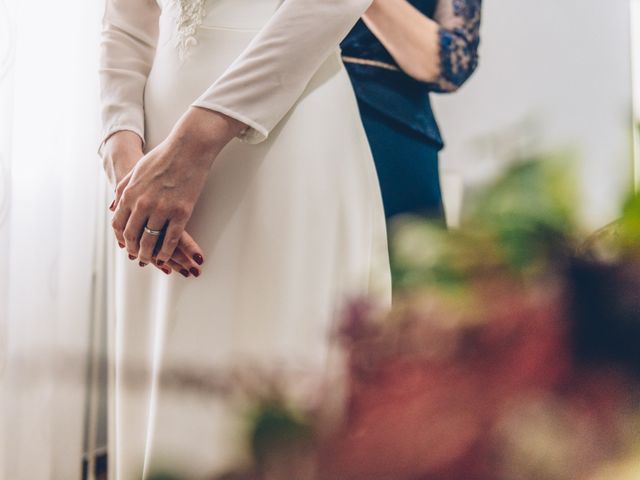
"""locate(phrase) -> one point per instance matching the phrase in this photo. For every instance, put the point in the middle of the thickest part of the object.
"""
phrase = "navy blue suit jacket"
(379, 82)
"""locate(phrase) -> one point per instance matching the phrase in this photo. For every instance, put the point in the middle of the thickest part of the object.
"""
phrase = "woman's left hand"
(162, 189)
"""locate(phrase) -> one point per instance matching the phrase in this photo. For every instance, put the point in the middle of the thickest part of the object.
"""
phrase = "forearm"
(203, 133)
(124, 139)
(121, 151)
(410, 37)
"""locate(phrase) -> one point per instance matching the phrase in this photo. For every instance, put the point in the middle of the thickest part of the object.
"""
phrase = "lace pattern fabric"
(459, 38)
(190, 14)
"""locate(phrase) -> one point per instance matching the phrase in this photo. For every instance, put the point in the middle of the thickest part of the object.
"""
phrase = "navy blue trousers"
(407, 166)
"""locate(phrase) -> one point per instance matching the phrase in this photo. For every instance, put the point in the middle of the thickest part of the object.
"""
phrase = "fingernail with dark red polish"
(142, 264)
(131, 257)
(195, 272)
(166, 270)
(160, 263)
(121, 245)
(113, 204)
(184, 273)
(198, 259)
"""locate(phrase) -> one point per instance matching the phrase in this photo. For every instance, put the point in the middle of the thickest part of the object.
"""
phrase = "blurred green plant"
(627, 231)
(522, 224)
(277, 426)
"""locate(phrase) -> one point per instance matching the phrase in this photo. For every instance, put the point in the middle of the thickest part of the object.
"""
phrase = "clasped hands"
(159, 190)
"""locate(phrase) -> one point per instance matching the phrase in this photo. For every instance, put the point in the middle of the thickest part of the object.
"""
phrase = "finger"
(191, 249)
(118, 223)
(120, 190)
(185, 262)
(164, 268)
(176, 267)
(172, 236)
(148, 241)
(133, 232)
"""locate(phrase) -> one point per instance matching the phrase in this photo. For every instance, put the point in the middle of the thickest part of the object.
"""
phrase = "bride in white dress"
(279, 225)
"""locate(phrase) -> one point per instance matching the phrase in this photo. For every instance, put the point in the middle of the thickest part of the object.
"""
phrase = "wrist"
(124, 140)
(122, 152)
(206, 130)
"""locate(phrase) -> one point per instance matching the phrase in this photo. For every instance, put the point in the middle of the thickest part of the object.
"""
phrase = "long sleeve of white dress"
(128, 44)
(258, 88)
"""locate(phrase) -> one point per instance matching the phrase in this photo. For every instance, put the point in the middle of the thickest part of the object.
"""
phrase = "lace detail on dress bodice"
(190, 14)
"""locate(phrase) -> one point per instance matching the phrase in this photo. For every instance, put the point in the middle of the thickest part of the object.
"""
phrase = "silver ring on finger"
(154, 233)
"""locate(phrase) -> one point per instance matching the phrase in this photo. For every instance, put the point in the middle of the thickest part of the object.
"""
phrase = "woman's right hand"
(121, 152)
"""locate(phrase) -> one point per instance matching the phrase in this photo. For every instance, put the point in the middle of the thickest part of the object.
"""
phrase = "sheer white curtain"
(49, 209)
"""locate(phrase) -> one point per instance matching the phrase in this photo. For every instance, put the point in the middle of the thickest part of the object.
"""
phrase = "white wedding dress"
(291, 220)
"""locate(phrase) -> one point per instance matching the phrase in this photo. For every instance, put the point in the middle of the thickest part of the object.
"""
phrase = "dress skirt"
(291, 229)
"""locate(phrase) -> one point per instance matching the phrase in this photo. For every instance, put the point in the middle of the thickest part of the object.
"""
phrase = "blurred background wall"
(6, 89)
(553, 74)
(49, 179)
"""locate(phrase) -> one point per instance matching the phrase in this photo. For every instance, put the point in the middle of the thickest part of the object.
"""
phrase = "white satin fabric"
(288, 48)
(291, 227)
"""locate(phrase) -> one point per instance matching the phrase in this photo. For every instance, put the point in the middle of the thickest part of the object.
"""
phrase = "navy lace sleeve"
(459, 38)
